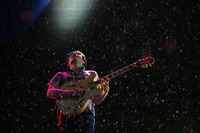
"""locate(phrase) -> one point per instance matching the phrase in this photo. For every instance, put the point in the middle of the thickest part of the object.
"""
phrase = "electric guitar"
(92, 88)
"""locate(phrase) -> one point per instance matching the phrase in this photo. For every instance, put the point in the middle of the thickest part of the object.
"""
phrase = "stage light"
(71, 13)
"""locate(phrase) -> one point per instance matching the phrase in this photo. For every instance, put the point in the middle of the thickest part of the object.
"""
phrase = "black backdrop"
(163, 98)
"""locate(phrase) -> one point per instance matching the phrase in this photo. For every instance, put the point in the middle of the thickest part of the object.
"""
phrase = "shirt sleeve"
(56, 79)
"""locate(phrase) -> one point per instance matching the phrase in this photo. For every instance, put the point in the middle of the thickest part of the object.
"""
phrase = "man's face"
(76, 56)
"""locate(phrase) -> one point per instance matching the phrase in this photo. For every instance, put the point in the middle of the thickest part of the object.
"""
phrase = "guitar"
(91, 85)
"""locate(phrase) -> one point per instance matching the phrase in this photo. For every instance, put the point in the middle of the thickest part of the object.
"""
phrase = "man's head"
(74, 57)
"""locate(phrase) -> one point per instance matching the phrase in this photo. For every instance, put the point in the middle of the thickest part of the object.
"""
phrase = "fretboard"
(119, 72)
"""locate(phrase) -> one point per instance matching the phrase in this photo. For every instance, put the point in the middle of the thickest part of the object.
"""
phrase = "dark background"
(163, 98)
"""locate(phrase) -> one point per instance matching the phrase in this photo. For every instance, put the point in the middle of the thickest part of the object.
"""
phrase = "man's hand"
(105, 84)
(78, 92)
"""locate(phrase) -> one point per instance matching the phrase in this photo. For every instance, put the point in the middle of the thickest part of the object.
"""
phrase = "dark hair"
(71, 53)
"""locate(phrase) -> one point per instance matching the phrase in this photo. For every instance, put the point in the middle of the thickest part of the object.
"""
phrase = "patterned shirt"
(62, 77)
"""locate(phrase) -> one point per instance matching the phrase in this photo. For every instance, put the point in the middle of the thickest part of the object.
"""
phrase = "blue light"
(18, 17)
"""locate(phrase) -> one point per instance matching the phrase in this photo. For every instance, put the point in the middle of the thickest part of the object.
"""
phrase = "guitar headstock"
(148, 61)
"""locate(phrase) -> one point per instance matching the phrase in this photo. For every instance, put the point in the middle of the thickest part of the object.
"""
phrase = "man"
(85, 121)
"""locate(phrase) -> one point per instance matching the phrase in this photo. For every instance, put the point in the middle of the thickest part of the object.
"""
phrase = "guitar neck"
(119, 72)
(140, 63)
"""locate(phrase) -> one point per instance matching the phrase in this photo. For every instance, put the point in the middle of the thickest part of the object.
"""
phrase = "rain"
(162, 98)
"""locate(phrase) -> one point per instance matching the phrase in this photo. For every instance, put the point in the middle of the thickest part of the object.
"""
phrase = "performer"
(84, 122)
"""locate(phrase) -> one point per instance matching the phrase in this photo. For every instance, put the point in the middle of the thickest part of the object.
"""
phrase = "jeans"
(83, 123)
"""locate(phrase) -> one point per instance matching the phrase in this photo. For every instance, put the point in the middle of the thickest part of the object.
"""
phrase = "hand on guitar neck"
(105, 84)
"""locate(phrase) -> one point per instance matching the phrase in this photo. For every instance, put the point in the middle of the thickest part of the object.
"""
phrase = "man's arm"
(55, 92)
(106, 88)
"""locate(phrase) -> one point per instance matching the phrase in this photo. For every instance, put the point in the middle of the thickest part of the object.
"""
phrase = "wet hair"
(77, 51)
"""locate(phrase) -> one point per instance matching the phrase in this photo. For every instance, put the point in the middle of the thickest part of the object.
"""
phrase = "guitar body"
(72, 105)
